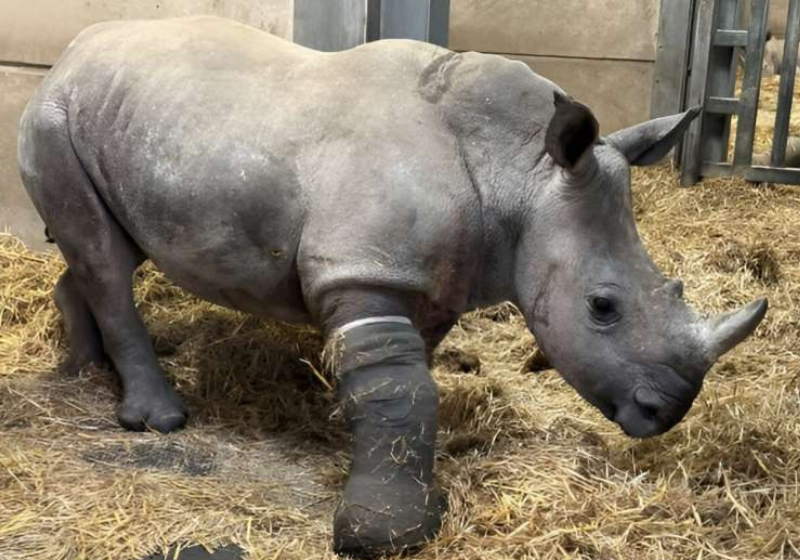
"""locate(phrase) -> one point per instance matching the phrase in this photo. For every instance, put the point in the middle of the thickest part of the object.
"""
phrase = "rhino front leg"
(390, 503)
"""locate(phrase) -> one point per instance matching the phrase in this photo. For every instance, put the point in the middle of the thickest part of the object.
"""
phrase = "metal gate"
(717, 40)
(336, 25)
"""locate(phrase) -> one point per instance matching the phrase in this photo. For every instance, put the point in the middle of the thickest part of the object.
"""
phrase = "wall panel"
(37, 31)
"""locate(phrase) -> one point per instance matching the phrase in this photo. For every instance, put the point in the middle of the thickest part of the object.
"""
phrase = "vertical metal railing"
(336, 25)
(696, 90)
(423, 20)
(711, 83)
(333, 25)
(721, 80)
(751, 86)
(786, 91)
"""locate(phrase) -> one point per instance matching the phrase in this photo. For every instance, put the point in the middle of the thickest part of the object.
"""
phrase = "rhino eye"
(603, 310)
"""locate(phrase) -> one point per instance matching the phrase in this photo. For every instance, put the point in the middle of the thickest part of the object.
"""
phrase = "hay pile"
(530, 470)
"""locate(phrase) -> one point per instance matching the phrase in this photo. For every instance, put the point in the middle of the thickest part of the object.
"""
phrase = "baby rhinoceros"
(379, 193)
(774, 49)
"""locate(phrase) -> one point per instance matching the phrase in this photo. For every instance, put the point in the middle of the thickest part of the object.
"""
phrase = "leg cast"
(390, 503)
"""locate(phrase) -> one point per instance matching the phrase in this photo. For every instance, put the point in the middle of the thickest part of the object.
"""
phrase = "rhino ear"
(572, 132)
(647, 143)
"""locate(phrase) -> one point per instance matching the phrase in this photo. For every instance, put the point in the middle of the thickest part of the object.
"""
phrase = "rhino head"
(614, 327)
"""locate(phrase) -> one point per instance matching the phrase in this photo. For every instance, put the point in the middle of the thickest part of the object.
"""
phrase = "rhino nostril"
(648, 402)
(609, 411)
(649, 412)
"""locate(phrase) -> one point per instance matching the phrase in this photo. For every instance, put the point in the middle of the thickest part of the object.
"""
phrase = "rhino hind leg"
(83, 335)
(101, 258)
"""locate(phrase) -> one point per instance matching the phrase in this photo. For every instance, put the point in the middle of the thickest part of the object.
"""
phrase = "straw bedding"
(530, 470)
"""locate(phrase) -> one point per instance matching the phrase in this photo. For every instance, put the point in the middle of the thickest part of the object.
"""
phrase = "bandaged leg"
(390, 402)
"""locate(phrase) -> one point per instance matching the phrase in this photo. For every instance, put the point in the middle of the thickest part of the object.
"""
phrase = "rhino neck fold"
(498, 111)
(506, 191)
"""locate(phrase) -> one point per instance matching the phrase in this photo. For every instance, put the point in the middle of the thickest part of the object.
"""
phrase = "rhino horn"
(726, 330)
(649, 142)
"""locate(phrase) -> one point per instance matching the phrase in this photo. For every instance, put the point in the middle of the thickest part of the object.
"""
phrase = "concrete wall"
(33, 34)
(16, 212)
(602, 52)
(36, 31)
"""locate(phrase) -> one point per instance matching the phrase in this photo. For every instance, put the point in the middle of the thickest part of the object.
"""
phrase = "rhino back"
(250, 169)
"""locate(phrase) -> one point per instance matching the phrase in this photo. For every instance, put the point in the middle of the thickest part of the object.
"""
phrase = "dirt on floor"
(530, 470)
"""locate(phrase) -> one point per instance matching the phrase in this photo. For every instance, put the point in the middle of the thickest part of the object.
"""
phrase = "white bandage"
(371, 321)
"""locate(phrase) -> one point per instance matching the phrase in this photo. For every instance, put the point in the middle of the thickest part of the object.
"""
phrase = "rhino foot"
(162, 412)
(390, 504)
(377, 518)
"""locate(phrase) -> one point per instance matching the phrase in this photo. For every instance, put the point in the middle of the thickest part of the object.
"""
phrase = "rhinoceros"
(378, 193)
(772, 63)
(791, 157)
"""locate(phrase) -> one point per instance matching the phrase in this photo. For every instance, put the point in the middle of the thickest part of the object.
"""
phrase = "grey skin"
(772, 64)
(791, 159)
(397, 178)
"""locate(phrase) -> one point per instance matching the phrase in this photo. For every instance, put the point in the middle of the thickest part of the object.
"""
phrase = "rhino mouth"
(653, 410)
(652, 405)
(648, 400)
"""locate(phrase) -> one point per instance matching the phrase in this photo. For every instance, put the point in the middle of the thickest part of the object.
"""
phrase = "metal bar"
(753, 174)
(746, 127)
(439, 29)
(672, 54)
(730, 38)
(696, 94)
(722, 105)
(405, 20)
(716, 169)
(721, 83)
(373, 20)
(422, 20)
(329, 25)
(773, 175)
(685, 78)
(786, 91)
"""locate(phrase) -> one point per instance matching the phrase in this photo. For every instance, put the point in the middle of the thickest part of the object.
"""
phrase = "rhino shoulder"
(491, 87)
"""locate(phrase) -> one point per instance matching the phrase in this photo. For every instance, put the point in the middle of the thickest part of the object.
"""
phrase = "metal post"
(696, 94)
(373, 20)
(751, 84)
(721, 83)
(672, 57)
(423, 20)
(329, 25)
(786, 95)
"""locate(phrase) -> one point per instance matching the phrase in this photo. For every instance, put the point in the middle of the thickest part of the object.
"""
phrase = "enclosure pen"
(530, 470)
(730, 94)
